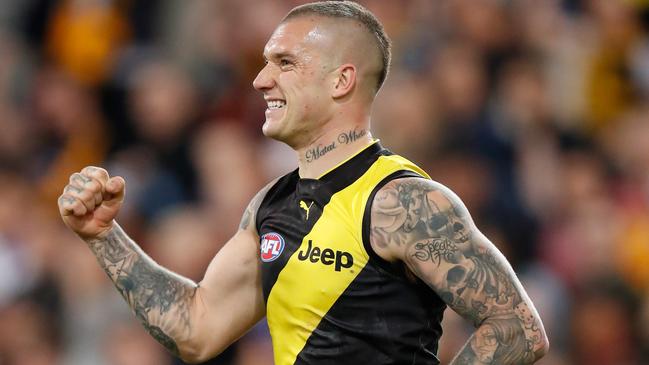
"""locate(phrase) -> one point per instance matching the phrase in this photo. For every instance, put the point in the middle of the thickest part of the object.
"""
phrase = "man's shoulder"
(405, 197)
(395, 162)
(415, 186)
(263, 192)
(248, 220)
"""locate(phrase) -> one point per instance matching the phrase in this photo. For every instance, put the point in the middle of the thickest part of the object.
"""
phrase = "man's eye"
(285, 63)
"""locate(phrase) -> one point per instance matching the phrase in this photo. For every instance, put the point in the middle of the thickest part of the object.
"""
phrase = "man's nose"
(264, 79)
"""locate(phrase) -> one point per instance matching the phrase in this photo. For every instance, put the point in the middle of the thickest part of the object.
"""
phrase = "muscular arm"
(426, 226)
(160, 299)
(194, 321)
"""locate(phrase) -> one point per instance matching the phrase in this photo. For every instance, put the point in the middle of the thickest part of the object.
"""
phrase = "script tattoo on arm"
(159, 298)
(432, 232)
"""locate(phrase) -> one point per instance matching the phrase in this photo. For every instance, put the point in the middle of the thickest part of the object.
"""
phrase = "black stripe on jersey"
(357, 330)
(281, 206)
(282, 191)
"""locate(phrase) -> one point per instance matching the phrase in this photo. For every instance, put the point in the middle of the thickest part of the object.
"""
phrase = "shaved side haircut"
(351, 10)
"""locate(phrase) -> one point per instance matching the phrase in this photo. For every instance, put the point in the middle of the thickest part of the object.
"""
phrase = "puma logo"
(306, 208)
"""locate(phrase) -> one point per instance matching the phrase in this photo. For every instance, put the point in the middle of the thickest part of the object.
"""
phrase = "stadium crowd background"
(535, 112)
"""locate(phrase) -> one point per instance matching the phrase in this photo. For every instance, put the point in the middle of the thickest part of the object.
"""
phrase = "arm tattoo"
(441, 245)
(247, 217)
(247, 220)
(159, 298)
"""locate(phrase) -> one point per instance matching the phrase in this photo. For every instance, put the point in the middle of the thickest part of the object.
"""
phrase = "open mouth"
(275, 104)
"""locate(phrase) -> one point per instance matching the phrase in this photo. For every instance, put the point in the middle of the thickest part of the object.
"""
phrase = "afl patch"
(272, 245)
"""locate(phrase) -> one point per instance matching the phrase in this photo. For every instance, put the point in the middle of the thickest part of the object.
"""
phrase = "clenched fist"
(91, 201)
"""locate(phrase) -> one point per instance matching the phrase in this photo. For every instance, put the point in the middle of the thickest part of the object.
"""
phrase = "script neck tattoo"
(343, 138)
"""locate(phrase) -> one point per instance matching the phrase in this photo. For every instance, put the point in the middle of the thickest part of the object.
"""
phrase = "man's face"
(294, 81)
(485, 344)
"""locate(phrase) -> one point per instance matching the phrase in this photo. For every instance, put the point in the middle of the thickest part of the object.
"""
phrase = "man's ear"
(345, 81)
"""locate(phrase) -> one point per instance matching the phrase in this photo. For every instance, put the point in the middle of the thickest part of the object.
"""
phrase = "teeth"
(276, 104)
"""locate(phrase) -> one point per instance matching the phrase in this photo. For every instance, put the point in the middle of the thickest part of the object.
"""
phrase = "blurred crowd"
(535, 112)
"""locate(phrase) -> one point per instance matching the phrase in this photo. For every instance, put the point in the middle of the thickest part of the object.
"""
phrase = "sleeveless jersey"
(330, 299)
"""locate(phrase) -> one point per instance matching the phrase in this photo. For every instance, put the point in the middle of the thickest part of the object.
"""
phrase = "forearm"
(160, 299)
(502, 341)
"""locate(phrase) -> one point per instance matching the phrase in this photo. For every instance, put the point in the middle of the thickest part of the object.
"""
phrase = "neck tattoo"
(351, 136)
(344, 138)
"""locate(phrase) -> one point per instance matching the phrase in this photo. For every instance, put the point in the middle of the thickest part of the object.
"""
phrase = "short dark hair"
(354, 11)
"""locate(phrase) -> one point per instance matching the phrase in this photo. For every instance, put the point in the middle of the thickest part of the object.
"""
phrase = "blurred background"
(535, 112)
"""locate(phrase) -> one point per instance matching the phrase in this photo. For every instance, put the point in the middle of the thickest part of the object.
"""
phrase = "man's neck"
(330, 149)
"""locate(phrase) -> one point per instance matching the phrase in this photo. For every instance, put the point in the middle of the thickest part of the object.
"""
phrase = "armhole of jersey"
(367, 217)
(263, 202)
(257, 223)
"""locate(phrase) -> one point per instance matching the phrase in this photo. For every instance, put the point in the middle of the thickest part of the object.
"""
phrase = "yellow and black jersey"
(330, 299)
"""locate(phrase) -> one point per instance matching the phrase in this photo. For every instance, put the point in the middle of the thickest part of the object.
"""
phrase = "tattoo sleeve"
(159, 298)
(432, 232)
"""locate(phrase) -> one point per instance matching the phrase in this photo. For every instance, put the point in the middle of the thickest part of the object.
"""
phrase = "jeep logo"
(340, 259)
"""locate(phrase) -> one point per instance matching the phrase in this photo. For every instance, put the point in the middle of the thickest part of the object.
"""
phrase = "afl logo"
(272, 245)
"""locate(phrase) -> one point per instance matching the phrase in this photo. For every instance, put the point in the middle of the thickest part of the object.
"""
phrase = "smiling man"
(353, 257)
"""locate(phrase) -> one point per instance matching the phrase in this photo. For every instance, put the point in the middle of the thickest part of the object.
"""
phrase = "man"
(353, 257)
